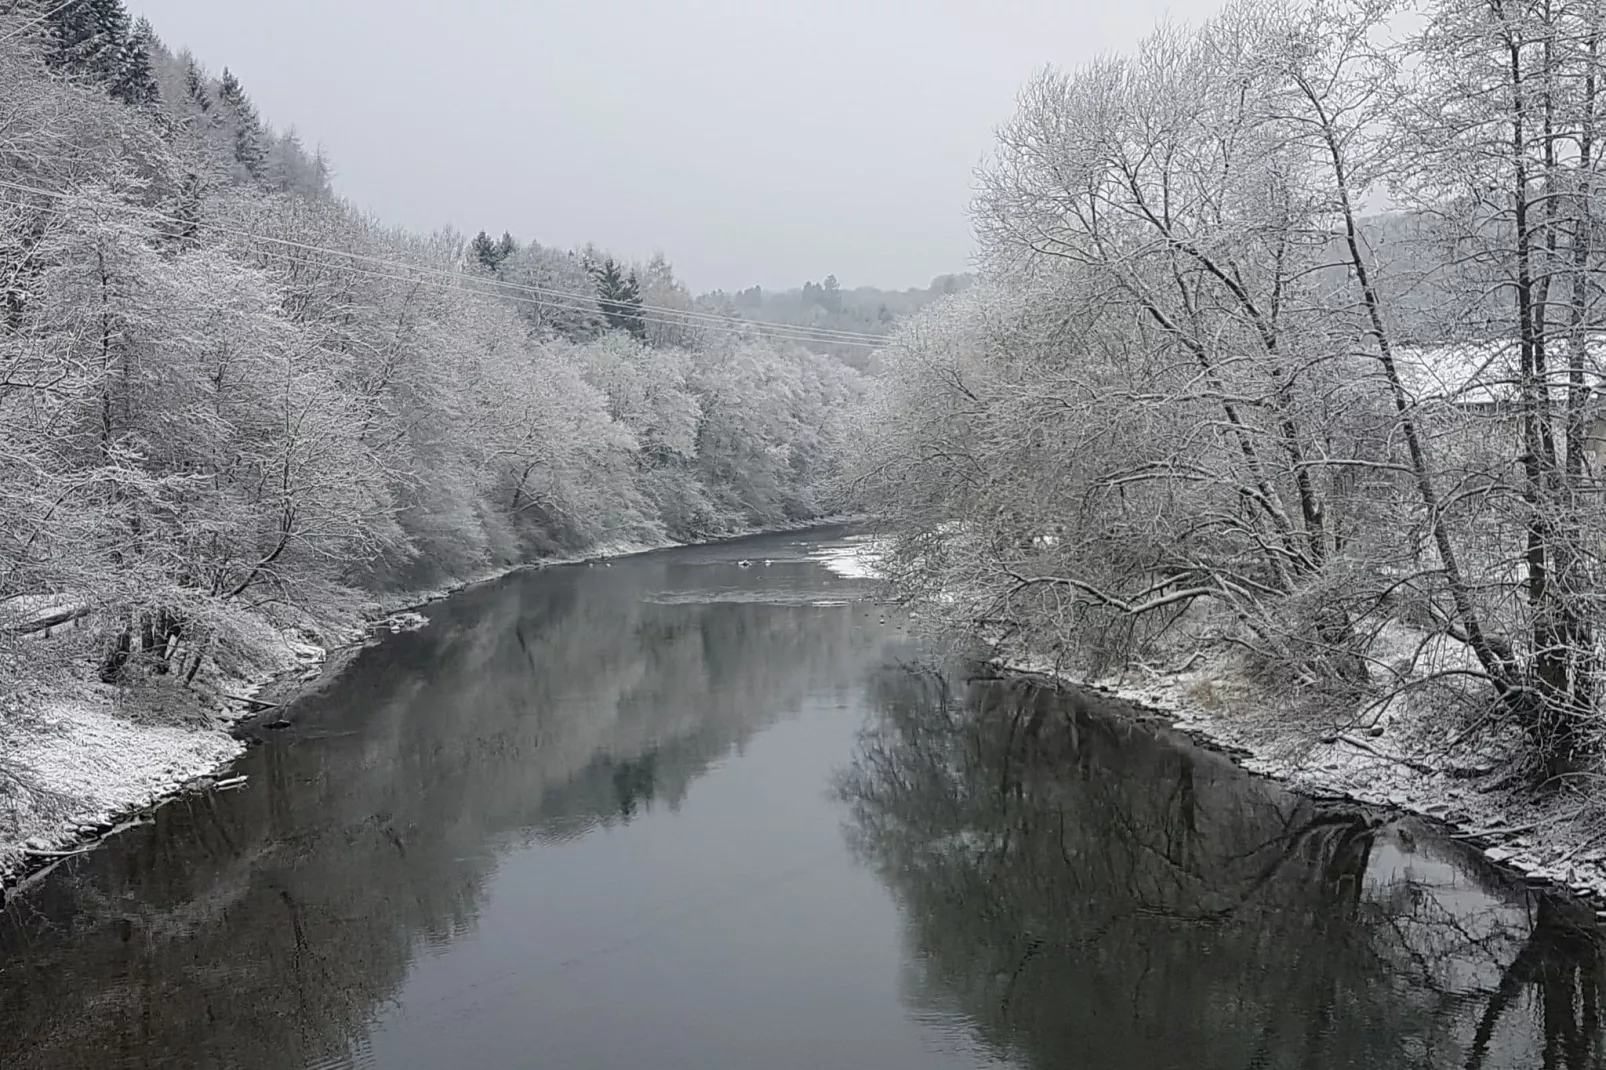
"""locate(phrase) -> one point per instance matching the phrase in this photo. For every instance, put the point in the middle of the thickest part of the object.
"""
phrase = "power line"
(736, 327)
(38, 19)
(473, 284)
(820, 334)
(732, 327)
(683, 317)
(572, 302)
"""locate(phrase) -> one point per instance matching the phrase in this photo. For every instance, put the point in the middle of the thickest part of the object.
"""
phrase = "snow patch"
(73, 765)
(112, 763)
(25, 613)
(406, 621)
(101, 765)
(1396, 758)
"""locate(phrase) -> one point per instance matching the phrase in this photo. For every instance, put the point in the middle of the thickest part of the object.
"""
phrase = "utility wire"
(737, 327)
(38, 19)
(682, 317)
(470, 284)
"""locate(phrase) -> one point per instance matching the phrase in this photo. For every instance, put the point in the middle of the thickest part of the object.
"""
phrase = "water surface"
(676, 812)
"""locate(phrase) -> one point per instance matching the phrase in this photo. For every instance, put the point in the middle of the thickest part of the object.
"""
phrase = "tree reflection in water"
(270, 928)
(1095, 893)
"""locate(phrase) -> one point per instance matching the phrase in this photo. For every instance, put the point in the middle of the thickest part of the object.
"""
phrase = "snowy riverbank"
(82, 758)
(1402, 756)
(1402, 762)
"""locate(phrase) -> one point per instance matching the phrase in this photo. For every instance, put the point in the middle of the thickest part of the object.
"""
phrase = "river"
(675, 812)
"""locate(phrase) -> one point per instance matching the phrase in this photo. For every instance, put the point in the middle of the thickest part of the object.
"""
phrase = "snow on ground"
(1404, 758)
(405, 621)
(93, 764)
(74, 764)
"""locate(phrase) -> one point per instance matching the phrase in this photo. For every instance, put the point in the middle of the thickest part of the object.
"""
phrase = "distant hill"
(826, 305)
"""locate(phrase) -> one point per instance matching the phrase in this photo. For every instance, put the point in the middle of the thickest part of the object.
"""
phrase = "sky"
(752, 141)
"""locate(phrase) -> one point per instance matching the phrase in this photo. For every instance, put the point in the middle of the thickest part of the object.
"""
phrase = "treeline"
(827, 307)
(224, 393)
(1199, 402)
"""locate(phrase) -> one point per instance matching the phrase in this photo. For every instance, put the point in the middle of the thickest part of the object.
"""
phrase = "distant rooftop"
(1485, 374)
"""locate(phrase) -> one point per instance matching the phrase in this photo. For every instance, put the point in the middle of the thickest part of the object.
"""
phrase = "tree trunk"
(116, 658)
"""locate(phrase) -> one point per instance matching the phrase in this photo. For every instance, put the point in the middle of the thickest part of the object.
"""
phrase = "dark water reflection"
(587, 819)
(1089, 893)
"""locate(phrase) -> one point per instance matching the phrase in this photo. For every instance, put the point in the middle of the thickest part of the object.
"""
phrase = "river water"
(680, 813)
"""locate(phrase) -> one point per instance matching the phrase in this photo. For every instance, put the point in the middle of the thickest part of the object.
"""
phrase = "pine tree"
(619, 296)
(631, 297)
(88, 38)
(248, 148)
(483, 249)
(491, 253)
(831, 295)
(321, 171)
(197, 86)
(182, 230)
(135, 82)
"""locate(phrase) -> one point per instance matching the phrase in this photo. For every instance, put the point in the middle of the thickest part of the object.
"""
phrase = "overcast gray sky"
(754, 141)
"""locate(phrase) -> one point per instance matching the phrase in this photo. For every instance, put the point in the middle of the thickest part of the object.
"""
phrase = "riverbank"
(83, 759)
(1401, 761)
(1406, 754)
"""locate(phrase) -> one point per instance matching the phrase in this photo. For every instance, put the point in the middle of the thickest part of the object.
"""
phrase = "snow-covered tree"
(244, 126)
(229, 400)
(134, 82)
(619, 297)
(89, 38)
(666, 296)
(554, 292)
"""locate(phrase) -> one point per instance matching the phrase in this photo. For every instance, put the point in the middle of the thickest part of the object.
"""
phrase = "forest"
(1279, 374)
(233, 407)
(829, 306)
(1284, 361)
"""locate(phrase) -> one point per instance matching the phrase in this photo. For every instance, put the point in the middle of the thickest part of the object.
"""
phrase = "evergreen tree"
(321, 171)
(183, 229)
(197, 86)
(831, 295)
(484, 250)
(619, 296)
(631, 297)
(88, 38)
(135, 82)
(249, 151)
(489, 253)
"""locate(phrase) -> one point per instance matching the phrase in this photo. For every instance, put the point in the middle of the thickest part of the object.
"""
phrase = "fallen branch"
(1409, 763)
(255, 703)
(45, 623)
(35, 853)
(1512, 830)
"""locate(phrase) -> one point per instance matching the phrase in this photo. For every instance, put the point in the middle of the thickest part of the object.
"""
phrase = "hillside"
(827, 307)
(237, 414)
